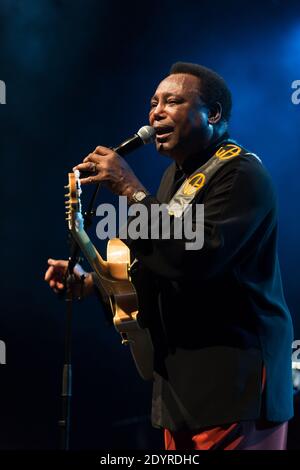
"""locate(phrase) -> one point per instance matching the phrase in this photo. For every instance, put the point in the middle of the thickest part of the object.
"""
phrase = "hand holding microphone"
(107, 165)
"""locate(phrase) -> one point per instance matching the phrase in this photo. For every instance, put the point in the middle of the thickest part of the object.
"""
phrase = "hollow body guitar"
(113, 281)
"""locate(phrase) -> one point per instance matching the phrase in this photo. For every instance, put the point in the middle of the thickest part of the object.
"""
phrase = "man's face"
(179, 117)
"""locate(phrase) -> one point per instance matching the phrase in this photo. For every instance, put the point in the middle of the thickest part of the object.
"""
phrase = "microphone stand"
(143, 136)
(66, 393)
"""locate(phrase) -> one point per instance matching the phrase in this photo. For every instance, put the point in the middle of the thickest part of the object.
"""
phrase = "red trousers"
(245, 435)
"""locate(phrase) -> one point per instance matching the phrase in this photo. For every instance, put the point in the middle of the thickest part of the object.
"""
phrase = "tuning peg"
(67, 195)
(67, 186)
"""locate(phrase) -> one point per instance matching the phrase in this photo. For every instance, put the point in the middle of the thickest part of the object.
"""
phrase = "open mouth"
(163, 132)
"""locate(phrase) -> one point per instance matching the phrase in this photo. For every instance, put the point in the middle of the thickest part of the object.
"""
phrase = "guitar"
(113, 281)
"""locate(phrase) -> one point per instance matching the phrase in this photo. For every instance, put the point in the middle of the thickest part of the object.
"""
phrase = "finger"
(88, 166)
(59, 286)
(90, 180)
(49, 274)
(76, 166)
(92, 157)
(89, 155)
(52, 283)
(58, 263)
(100, 150)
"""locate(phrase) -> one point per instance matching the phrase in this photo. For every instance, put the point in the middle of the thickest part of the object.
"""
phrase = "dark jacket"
(218, 315)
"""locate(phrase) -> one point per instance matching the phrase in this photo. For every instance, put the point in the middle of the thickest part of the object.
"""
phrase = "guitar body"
(114, 282)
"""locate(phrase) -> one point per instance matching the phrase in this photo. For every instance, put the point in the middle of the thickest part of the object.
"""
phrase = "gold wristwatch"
(138, 196)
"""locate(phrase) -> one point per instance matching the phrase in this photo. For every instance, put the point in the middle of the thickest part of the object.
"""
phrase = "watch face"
(139, 196)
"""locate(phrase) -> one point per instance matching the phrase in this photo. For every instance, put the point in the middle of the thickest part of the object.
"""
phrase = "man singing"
(219, 323)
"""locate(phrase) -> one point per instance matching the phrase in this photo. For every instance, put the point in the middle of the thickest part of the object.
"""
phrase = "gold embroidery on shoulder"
(228, 151)
(193, 184)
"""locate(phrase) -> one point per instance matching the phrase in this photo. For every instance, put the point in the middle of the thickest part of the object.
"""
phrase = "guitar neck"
(94, 258)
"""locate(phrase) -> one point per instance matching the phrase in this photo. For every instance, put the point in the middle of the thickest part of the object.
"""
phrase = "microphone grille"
(147, 134)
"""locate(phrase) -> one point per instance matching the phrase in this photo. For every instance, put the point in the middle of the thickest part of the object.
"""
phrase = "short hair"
(213, 86)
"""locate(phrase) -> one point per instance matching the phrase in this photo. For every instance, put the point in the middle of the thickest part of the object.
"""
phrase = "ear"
(215, 113)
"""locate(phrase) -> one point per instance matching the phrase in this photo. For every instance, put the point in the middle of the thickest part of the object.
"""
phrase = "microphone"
(145, 135)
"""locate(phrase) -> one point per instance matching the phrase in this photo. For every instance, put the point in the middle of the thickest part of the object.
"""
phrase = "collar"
(195, 161)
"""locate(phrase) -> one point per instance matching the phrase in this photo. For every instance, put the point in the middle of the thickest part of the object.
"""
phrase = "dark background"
(81, 73)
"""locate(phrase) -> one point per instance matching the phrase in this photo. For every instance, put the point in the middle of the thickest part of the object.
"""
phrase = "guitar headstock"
(73, 202)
